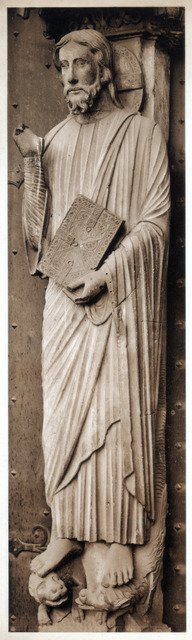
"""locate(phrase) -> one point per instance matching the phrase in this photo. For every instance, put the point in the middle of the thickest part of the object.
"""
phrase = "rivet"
(180, 200)
(182, 81)
(180, 324)
(178, 486)
(48, 65)
(14, 325)
(172, 412)
(13, 472)
(177, 568)
(12, 629)
(177, 526)
(13, 617)
(46, 513)
(176, 607)
(47, 35)
(181, 160)
(179, 364)
(180, 283)
(179, 404)
(15, 105)
(181, 121)
(178, 445)
(13, 399)
(16, 33)
(14, 251)
(180, 242)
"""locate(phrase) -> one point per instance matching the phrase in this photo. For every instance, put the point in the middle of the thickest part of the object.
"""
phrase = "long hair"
(99, 46)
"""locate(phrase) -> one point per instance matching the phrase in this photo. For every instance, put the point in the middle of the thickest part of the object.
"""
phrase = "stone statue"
(103, 356)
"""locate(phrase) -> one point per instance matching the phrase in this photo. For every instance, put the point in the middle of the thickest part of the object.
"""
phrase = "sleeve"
(34, 209)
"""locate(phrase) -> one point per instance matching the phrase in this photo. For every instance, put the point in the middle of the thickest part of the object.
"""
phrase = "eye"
(81, 62)
(64, 64)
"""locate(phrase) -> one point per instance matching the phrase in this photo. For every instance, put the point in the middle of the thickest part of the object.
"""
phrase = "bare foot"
(56, 551)
(119, 565)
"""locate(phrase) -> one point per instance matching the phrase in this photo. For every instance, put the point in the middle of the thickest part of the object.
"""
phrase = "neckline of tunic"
(93, 117)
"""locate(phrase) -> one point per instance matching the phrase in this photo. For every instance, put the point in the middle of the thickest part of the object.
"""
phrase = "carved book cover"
(84, 238)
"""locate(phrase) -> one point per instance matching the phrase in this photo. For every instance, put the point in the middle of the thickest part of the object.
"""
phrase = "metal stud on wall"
(174, 565)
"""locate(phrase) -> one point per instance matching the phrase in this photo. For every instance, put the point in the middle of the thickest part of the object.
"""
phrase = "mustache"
(69, 90)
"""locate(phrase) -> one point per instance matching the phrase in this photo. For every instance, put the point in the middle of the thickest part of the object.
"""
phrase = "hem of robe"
(96, 505)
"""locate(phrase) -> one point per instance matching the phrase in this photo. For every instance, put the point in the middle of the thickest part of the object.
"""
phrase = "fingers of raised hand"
(28, 143)
(18, 130)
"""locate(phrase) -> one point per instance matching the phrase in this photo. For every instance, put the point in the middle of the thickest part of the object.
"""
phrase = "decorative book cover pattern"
(84, 238)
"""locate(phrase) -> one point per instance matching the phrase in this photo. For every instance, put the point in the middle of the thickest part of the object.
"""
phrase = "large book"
(88, 233)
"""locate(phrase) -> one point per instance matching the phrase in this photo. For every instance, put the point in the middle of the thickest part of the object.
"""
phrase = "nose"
(71, 76)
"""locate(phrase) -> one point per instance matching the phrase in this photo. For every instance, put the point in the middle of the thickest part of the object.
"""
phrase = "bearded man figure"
(103, 359)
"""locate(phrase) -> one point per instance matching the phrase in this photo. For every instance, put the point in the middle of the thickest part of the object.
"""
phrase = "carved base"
(94, 622)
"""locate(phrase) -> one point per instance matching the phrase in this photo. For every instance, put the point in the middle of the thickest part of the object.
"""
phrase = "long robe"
(103, 365)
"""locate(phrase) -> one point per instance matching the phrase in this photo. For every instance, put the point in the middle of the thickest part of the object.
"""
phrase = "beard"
(81, 100)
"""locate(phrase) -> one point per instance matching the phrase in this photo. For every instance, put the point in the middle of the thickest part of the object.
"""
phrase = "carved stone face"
(51, 589)
(80, 75)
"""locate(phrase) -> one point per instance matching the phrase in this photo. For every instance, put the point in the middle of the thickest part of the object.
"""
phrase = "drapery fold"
(102, 363)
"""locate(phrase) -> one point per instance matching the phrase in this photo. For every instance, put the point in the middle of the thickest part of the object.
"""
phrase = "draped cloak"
(103, 365)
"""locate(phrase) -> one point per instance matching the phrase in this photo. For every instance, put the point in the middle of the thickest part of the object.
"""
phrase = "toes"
(131, 574)
(113, 579)
(126, 577)
(120, 578)
(35, 564)
(105, 580)
(44, 569)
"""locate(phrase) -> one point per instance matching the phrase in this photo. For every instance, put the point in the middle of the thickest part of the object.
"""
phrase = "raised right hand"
(27, 142)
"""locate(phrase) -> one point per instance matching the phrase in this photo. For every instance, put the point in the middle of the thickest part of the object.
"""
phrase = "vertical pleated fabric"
(96, 505)
(102, 367)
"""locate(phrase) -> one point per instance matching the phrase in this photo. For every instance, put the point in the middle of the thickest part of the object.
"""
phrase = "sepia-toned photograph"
(96, 250)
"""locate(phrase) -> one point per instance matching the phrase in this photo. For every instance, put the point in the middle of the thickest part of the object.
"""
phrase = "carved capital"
(166, 24)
